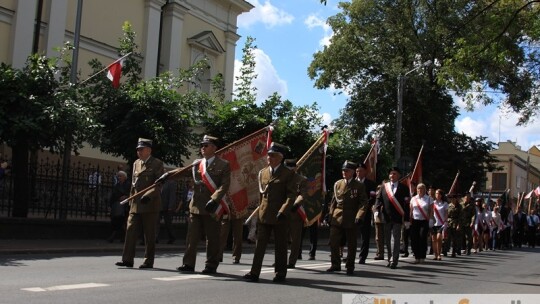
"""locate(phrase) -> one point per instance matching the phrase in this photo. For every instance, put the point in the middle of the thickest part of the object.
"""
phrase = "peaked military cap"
(349, 165)
(207, 139)
(278, 148)
(143, 142)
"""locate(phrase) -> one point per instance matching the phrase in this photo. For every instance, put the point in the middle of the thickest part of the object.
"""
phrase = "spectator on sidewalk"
(120, 192)
(168, 205)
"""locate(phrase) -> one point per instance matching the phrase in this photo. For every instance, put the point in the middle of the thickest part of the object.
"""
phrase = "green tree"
(376, 42)
(36, 110)
(165, 108)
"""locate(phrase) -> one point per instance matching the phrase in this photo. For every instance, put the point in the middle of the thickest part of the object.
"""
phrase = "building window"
(499, 181)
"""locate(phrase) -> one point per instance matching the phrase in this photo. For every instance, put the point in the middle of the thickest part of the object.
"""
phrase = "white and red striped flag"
(371, 160)
(416, 176)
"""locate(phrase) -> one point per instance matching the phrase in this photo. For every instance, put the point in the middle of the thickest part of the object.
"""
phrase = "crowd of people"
(436, 224)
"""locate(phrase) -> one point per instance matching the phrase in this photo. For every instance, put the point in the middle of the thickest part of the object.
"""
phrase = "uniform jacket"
(350, 202)
(300, 181)
(278, 191)
(454, 215)
(144, 175)
(390, 214)
(468, 212)
(220, 172)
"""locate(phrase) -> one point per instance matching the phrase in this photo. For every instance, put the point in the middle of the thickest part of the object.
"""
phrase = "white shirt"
(442, 207)
(425, 202)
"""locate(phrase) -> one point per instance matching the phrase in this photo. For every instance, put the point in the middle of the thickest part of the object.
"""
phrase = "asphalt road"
(93, 278)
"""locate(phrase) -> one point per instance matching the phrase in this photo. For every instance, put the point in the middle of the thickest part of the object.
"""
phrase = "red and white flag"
(246, 159)
(537, 191)
(114, 73)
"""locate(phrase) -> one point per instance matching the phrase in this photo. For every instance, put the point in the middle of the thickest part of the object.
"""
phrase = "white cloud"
(471, 127)
(499, 125)
(326, 119)
(314, 21)
(266, 13)
(268, 80)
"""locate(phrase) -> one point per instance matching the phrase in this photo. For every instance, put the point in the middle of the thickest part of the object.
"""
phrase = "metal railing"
(86, 195)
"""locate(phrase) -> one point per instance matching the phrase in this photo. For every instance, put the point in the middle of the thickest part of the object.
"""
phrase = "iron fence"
(84, 194)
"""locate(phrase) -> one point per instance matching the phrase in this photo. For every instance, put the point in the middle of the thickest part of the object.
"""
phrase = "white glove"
(407, 225)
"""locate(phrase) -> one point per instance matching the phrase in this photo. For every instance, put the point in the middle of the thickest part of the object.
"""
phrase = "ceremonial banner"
(312, 167)
(416, 176)
(246, 159)
(371, 161)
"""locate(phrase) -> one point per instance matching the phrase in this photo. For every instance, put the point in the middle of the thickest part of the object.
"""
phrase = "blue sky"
(289, 32)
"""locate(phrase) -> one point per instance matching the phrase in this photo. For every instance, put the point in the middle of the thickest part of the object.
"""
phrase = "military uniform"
(348, 207)
(277, 194)
(467, 219)
(144, 210)
(454, 227)
(296, 224)
(203, 222)
(234, 222)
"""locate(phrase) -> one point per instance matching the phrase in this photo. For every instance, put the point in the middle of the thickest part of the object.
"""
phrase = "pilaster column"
(152, 17)
(56, 29)
(22, 32)
(171, 36)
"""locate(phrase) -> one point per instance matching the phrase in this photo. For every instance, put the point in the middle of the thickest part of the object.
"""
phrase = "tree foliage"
(165, 108)
(472, 44)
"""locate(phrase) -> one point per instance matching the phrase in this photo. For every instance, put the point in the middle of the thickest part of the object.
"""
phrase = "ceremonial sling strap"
(420, 208)
(209, 183)
(437, 214)
(393, 199)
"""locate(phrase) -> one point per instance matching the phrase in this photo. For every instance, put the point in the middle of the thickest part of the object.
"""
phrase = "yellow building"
(520, 170)
(171, 34)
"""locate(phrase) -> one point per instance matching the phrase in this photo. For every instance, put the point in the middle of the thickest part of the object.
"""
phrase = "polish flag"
(537, 191)
(115, 72)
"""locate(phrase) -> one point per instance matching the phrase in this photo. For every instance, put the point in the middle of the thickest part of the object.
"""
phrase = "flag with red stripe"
(371, 160)
(416, 176)
(114, 73)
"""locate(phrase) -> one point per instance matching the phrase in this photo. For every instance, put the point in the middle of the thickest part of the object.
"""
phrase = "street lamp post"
(399, 113)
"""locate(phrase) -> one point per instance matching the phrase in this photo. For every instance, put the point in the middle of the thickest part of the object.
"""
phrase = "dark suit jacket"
(350, 202)
(220, 172)
(278, 193)
(144, 175)
(390, 213)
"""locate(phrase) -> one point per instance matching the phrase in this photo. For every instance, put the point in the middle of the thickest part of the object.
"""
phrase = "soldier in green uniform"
(277, 194)
(348, 208)
(296, 221)
(454, 228)
(467, 218)
(143, 210)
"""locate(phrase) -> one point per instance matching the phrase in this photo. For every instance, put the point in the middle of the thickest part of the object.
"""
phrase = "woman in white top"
(440, 216)
(478, 228)
(421, 213)
(496, 224)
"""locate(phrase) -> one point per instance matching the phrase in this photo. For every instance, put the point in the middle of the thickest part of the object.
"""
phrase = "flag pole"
(454, 183)
(178, 171)
(105, 68)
